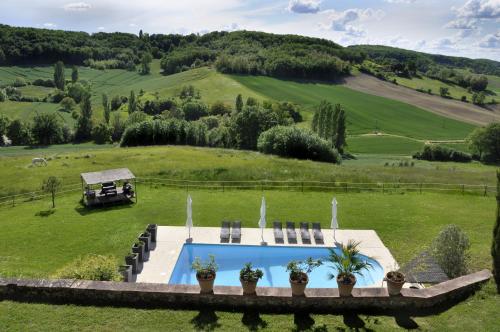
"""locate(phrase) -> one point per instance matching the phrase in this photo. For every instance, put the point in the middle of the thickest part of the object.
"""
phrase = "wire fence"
(263, 185)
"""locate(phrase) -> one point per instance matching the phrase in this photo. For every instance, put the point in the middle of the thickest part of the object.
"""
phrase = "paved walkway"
(170, 240)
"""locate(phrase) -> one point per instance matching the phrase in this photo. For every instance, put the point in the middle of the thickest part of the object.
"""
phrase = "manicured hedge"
(296, 143)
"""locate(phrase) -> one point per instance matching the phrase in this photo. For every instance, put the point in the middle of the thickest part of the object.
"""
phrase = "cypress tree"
(495, 247)
(59, 79)
(84, 123)
(105, 105)
(74, 74)
(132, 104)
(340, 135)
(239, 103)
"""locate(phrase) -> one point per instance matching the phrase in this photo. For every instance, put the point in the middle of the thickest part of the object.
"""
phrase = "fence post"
(223, 189)
(13, 201)
(383, 188)
(485, 190)
(345, 186)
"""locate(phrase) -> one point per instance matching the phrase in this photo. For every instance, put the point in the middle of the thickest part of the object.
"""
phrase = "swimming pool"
(272, 260)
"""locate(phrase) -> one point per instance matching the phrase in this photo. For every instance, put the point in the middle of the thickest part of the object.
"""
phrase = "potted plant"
(126, 272)
(138, 248)
(347, 263)
(249, 278)
(146, 238)
(205, 273)
(132, 259)
(299, 274)
(152, 228)
(395, 281)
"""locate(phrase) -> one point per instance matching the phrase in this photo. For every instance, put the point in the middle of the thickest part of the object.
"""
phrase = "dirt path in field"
(446, 107)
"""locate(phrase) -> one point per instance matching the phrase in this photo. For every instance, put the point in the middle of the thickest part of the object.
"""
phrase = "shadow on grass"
(206, 320)
(45, 213)
(406, 322)
(85, 211)
(304, 322)
(253, 321)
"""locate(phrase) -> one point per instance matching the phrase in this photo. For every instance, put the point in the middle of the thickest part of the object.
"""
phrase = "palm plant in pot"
(347, 263)
(205, 273)
(299, 274)
(395, 281)
(249, 278)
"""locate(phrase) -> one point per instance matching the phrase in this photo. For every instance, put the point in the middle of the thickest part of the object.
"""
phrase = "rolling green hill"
(365, 113)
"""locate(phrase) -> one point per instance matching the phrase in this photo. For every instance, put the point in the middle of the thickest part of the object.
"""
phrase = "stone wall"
(268, 299)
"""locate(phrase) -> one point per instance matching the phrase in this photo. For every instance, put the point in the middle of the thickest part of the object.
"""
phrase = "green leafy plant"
(300, 269)
(348, 262)
(249, 274)
(91, 267)
(205, 270)
(451, 251)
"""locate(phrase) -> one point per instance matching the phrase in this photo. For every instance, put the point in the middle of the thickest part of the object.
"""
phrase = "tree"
(77, 91)
(239, 103)
(132, 103)
(478, 98)
(251, 101)
(141, 34)
(84, 123)
(193, 110)
(486, 142)
(68, 104)
(19, 133)
(340, 141)
(101, 134)
(4, 124)
(59, 78)
(444, 92)
(47, 129)
(74, 74)
(219, 108)
(107, 107)
(146, 63)
(118, 127)
(479, 83)
(495, 247)
(51, 185)
(451, 251)
(3, 95)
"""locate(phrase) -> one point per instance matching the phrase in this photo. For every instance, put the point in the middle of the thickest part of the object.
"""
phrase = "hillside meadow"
(202, 164)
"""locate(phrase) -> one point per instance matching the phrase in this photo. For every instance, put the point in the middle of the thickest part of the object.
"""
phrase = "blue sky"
(454, 27)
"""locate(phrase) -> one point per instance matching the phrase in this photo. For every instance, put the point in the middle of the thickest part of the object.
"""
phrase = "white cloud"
(462, 23)
(101, 28)
(77, 7)
(50, 25)
(444, 44)
(231, 27)
(479, 9)
(491, 41)
(400, 1)
(304, 6)
(344, 21)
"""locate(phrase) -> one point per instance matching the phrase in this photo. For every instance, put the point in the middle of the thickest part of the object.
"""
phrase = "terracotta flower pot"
(206, 284)
(395, 281)
(299, 285)
(346, 285)
(248, 287)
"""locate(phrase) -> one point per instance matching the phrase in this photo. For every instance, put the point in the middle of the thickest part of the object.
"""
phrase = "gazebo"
(108, 187)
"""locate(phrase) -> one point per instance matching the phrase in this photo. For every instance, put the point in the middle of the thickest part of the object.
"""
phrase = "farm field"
(53, 244)
(176, 162)
(425, 83)
(384, 145)
(366, 113)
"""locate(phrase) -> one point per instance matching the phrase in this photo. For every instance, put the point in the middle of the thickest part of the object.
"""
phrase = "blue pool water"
(272, 260)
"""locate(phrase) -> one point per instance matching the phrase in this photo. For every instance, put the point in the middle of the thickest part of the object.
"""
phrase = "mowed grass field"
(190, 163)
(365, 113)
(38, 242)
(425, 83)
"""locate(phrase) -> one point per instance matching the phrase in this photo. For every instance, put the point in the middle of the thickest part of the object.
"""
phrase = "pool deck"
(170, 239)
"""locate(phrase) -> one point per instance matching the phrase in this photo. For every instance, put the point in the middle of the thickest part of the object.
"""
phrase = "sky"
(468, 28)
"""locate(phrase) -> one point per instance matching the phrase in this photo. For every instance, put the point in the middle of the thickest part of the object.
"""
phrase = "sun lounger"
(278, 232)
(224, 231)
(290, 232)
(317, 233)
(236, 231)
(304, 232)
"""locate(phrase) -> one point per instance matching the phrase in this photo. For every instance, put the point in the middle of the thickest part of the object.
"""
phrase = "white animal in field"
(39, 162)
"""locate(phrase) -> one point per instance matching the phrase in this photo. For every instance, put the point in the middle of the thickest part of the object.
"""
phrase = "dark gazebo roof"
(111, 175)
(424, 269)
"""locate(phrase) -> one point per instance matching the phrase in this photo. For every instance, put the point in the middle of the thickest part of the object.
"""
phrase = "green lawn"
(425, 83)
(176, 162)
(384, 145)
(365, 113)
(38, 243)
(27, 111)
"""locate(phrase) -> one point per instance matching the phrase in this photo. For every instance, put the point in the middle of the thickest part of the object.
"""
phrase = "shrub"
(219, 108)
(101, 133)
(68, 104)
(3, 95)
(47, 129)
(46, 83)
(19, 82)
(19, 133)
(58, 96)
(451, 251)
(91, 267)
(441, 153)
(193, 110)
(296, 143)
(116, 102)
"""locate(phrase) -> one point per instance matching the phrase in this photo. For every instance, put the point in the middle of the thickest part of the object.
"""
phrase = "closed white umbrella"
(335, 223)
(189, 220)
(262, 221)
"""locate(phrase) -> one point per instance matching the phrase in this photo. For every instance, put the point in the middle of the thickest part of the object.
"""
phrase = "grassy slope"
(365, 113)
(26, 111)
(52, 243)
(456, 92)
(218, 164)
(383, 145)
